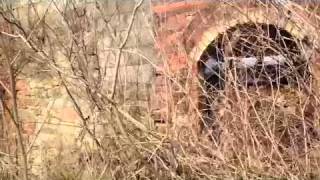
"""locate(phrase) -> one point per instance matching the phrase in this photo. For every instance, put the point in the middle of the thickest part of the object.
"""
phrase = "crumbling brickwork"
(185, 29)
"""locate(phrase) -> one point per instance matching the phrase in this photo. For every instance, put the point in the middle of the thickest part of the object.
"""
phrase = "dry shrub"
(258, 132)
(249, 131)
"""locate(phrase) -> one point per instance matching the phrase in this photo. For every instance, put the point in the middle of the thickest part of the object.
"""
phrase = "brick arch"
(205, 33)
(199, 35)
(186, 29)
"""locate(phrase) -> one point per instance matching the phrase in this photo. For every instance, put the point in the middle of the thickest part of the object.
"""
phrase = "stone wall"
(50, 121)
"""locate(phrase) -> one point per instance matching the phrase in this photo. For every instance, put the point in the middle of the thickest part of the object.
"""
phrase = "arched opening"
(249, 56)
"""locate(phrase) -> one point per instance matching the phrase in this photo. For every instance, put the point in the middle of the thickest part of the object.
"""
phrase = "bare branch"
(119, 53)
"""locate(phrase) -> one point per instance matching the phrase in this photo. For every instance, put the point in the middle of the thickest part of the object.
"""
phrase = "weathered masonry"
(202, 41)
(185, 40)
(49, 118)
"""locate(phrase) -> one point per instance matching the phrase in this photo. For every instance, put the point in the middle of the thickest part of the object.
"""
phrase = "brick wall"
(186, 28)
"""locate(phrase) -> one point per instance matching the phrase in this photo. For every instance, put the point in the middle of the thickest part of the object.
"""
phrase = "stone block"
(131, 74)
(140, 92)
(26, 101)
(67, 114)
(134, 56)
(138, 37)
(122, 6)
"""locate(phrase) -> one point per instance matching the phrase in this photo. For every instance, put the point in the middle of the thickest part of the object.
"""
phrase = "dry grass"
(256, 132)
